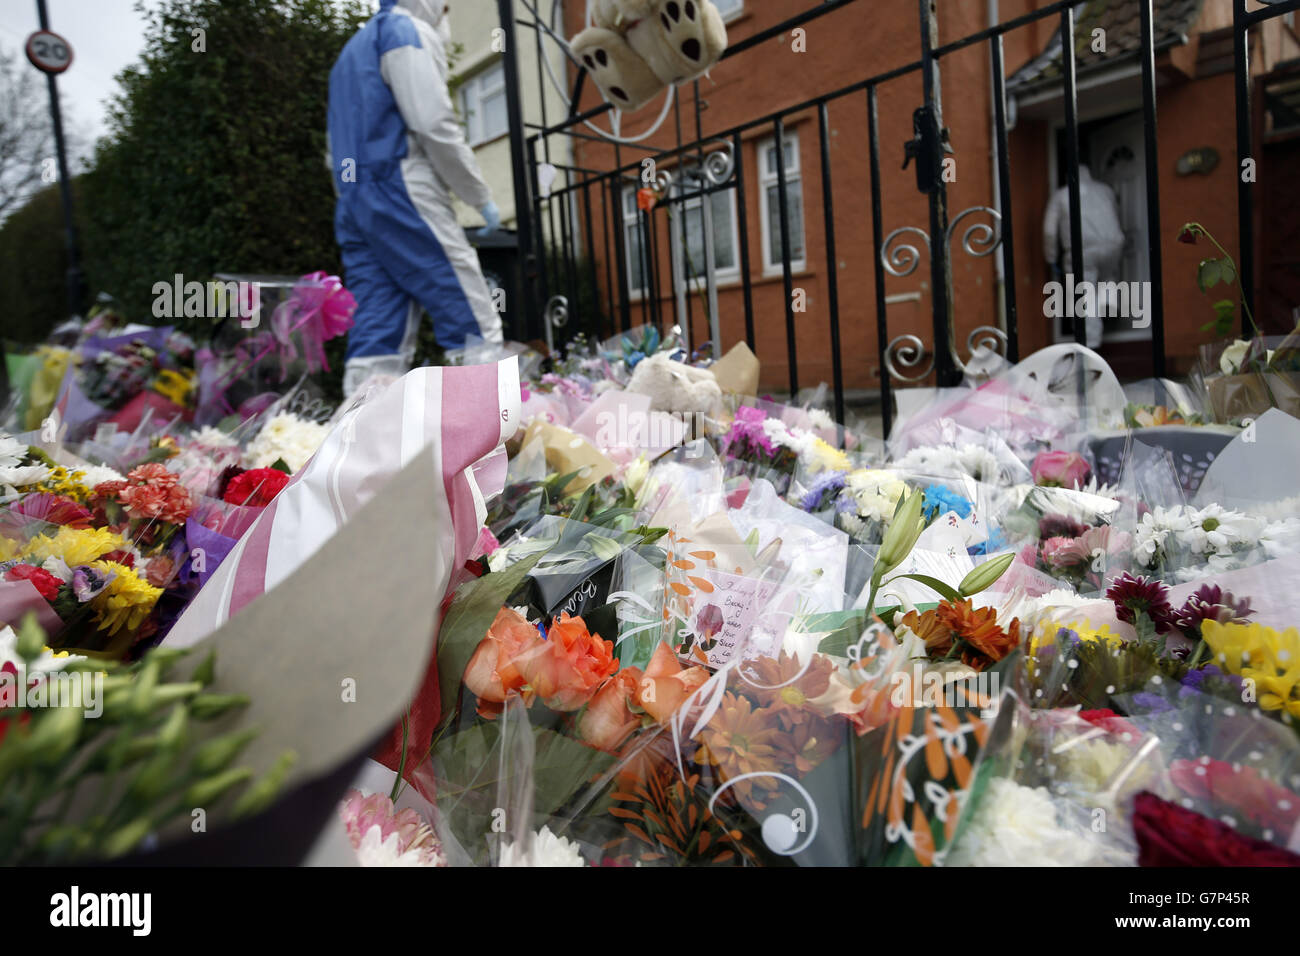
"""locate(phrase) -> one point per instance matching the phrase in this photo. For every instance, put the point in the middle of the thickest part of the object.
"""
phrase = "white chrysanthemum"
(1102, 491)
(819, 418)
(946, 460)
(548, 850)
(1281, 538)
(285, 437)
(209, 437)
(376, 851)
(876, 492)
(12, 451)
(98, 474)
(1022, 826)
(1277, 510)
(21, 475)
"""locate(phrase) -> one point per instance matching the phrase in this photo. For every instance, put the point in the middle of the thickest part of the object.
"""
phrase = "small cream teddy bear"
(637, 47)
(676, 387)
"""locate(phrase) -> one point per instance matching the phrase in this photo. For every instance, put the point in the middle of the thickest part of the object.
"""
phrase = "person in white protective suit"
(1103, 238)
(398, 153)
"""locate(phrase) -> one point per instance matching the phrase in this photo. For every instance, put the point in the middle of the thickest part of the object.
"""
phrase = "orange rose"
(491, 672)
(666, 684)
(608, 721)
(565, 669)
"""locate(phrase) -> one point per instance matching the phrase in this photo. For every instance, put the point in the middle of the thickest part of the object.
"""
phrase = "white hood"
(431, 12)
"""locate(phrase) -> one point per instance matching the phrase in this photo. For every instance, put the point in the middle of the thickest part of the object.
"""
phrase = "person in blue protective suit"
(398, 153)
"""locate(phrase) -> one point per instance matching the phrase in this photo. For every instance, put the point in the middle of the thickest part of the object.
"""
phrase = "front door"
(1117, 156)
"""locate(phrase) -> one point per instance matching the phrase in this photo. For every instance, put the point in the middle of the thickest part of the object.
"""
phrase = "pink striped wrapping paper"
(462, 416)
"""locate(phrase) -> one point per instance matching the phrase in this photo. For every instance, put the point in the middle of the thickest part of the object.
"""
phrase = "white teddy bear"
(676, 387)
(637, 47)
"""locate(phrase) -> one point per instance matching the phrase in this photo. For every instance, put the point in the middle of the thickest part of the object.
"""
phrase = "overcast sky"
(106, 36)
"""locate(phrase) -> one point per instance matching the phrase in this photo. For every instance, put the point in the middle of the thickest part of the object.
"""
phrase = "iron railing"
(556, 221)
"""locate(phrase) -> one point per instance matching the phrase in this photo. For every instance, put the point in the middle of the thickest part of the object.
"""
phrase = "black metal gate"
(557, 218)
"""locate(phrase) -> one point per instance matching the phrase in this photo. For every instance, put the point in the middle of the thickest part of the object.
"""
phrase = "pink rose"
(1060, 469)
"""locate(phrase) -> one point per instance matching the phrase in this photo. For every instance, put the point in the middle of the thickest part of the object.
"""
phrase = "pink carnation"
(154, 493)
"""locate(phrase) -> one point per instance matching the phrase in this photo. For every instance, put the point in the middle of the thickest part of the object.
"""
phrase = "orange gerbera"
(741, 740)
(958, 629)
(778, 683)
(809, 743)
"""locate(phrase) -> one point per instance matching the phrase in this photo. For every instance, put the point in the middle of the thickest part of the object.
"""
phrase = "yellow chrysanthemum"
(61, 481)
(8, 549)
(75, 546)
(127, 600)
(829, 458)
(174, 385)
(1269, 659)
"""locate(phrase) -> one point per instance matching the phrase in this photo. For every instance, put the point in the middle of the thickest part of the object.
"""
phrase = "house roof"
(1122, 21)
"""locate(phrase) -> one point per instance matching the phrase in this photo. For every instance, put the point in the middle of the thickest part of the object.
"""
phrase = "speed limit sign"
(49, 52)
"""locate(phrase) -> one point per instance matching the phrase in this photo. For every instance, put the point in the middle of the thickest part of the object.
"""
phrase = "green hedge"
(215, 161)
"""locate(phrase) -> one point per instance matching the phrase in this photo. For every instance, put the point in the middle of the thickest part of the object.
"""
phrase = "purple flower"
(1060, 526)
(87, 582)
(1134, 595)
(1211, 603)
(827, 483)
(747, 431)
(1151, 703)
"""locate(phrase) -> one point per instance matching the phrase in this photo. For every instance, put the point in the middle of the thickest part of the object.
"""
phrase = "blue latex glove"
(492, 215)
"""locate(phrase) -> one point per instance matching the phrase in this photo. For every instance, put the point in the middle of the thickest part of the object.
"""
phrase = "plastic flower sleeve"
(1225, 759)
(1056, 788)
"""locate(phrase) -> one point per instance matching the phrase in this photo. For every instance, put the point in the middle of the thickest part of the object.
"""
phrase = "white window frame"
(486, 82)
(732, 13)
(794, 187)
(732, 272)
(632, 220)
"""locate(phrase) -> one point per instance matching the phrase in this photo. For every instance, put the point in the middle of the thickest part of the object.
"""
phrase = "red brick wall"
(866, 39)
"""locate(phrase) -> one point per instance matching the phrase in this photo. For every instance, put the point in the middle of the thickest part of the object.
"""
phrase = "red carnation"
(256, 488)
(1111, 722)
(45, 582)
(1169, 835)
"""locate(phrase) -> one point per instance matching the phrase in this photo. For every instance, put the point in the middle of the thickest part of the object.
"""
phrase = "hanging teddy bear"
(637, 47)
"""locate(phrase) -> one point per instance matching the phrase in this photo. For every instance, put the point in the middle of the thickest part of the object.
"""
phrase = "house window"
(769, 198)
(633, 247)
(722, 208)
(730, 9)
(483, 105)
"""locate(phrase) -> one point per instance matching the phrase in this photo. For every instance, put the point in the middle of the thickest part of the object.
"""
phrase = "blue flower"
(634, 357)
(939, 500)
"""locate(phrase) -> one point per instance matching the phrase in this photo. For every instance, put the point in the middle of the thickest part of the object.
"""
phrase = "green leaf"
(472, 612)
(934, 584)
(281, 465)
(1227, 271)
(1209, 274)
